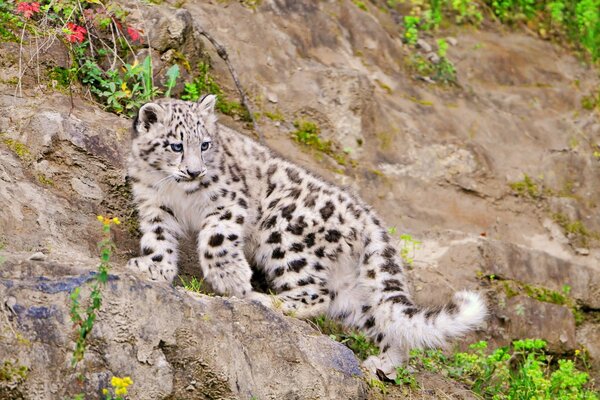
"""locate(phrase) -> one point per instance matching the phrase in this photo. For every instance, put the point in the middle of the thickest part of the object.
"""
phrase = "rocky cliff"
(495, 176)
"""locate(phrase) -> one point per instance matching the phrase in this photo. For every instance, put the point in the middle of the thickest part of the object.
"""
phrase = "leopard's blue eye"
(204, 146)
(177, 147)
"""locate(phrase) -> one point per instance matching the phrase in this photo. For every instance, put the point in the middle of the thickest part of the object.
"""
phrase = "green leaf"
(172, 75)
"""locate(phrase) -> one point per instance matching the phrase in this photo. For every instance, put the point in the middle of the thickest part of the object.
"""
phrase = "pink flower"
(134, 34)
(28, 9)
(76, 33)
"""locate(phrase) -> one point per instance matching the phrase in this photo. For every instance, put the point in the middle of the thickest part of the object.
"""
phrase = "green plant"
(356, 341)
(360, 4)
(307, 133)
(405, 377)
(84, 321)
(172, 75)
(122, 91)
(411, 29)
(205, 83)
(195, 285)
(521, 372)
(12, 373)
(467, 11)
(408, 246)
(526, 188)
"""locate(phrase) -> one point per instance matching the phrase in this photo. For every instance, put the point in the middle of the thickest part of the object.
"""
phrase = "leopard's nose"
(193, 174)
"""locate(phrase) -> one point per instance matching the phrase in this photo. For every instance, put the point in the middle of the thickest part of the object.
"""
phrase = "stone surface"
(165, 339)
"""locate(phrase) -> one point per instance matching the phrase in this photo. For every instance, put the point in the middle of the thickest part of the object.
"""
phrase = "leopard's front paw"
(156, 271)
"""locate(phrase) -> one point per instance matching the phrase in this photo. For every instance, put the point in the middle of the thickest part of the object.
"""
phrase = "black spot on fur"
(410, 311)
(147, 251)
(272, 169)
(216, 240)
(320, 252)
(239, 219)
(364, 309)
(156, 220)
(279, 271)
(309, 240)
(388, 252)
(392, 285)
(370, 323)
(391, 267)
(307, 281)
(269, 223)
(157, 258)
(242, 203)
(298, 264)
(278, 253)
(294, 193)
(167, 210)
(297, 247)
(232, 237)
(226, 216)
(288, 211)
(366, 258)
(399, 298)
(451, 308)
(310, 200)
(275, 237)
(327, 210)
(273, 203)
(371, 274)
(208, 256)
(298, 227)
(332, 295)
(158, 230)
(379, 338)
(270, 189)
(293, 174)
(318, 267)
(333, 235)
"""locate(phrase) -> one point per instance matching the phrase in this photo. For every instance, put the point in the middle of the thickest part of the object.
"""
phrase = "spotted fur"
(320, 249)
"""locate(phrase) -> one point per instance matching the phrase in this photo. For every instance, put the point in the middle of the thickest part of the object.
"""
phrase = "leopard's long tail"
(433, 327)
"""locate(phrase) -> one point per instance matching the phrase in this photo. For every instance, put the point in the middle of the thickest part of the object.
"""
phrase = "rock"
(533, 267)
(452, 41)
(39, 256)
(272, 97)
(423, 45)
(524, 317)
(231, 348)
(433, 57)
(582, 251)
(588, 335)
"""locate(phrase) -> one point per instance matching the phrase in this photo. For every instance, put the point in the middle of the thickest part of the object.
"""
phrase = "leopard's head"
(177, 138)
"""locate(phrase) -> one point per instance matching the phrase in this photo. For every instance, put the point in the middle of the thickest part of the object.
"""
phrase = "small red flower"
(134, 34)
(28, 9)
(76, 33)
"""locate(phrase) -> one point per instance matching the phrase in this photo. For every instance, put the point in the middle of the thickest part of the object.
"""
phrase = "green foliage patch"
(355, 340)
(522, 371)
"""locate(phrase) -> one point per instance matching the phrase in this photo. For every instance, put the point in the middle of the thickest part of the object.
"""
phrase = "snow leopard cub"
(321, 249)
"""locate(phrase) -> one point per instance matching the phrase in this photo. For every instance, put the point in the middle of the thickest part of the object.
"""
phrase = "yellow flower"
(125, 90)
(100, 218)
(120, 384)
(116, 221)
(577, 352)
(105, 391)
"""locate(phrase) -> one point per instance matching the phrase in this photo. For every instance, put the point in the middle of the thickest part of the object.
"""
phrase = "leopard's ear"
(206, 104)
(148, 115)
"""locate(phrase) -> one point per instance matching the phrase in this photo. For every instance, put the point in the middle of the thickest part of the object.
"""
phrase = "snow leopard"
(321, 249)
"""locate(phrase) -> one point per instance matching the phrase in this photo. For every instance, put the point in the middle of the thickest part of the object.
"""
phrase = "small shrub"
(356, 341)
(522, 371)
